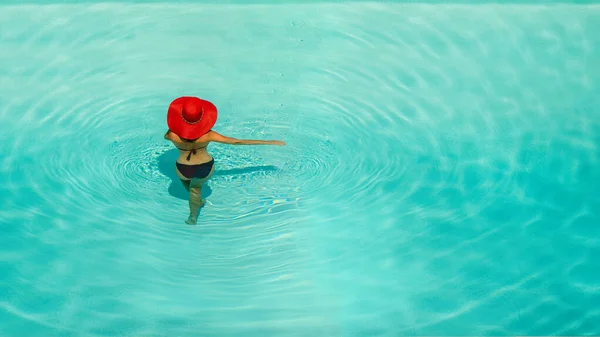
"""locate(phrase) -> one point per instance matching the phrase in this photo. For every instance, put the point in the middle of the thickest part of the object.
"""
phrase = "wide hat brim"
(185, 129)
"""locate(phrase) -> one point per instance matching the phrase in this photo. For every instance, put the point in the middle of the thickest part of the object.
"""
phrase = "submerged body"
(195, 165)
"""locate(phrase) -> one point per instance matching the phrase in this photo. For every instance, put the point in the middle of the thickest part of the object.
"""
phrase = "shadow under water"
(166, 166)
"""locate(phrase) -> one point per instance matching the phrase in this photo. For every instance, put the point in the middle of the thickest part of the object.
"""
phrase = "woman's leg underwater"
(196, 201)
(186, 184)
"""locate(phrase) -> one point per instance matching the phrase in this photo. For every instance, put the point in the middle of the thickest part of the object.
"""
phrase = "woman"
(190, 120)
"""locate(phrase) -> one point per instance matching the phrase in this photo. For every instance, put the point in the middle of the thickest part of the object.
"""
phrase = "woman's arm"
(216, 137)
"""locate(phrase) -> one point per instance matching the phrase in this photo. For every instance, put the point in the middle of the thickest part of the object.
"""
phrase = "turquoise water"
(440, 177)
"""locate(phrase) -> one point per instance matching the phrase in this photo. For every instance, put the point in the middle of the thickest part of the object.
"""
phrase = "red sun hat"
(191, 117)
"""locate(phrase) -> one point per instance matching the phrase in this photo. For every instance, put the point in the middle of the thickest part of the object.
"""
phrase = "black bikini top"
(192, 151)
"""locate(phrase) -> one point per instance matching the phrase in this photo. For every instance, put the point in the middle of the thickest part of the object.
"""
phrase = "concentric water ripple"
(439, 177)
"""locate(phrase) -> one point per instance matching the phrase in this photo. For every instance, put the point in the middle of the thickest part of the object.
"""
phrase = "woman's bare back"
(195, 151)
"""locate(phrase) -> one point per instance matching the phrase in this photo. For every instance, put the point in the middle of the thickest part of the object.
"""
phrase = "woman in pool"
(190, 120)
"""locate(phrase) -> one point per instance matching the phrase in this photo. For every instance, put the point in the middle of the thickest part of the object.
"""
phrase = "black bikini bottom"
(199, 171)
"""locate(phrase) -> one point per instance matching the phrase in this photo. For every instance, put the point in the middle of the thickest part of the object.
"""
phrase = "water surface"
(440, 176)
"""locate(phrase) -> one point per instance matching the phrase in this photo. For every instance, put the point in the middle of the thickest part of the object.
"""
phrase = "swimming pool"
(440, 175)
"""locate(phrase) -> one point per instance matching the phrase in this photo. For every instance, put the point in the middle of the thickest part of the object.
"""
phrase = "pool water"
(440, 175)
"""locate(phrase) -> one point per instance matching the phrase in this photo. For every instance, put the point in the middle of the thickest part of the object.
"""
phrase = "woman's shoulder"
(207, 137)
(170, 135)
